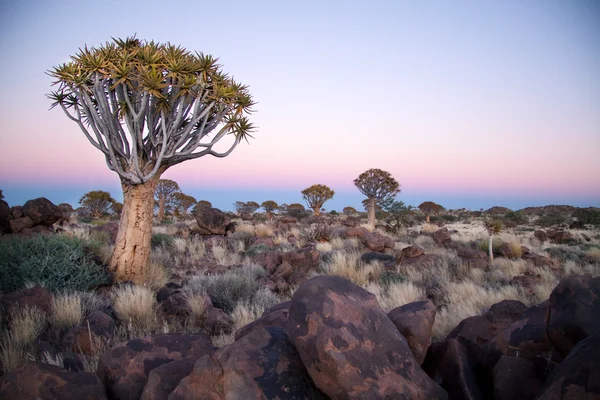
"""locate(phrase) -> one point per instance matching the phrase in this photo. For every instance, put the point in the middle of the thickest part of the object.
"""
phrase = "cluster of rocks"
(332, 340)
(35, 216)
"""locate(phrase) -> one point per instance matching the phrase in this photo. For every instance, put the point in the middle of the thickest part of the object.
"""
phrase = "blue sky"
(467, 103)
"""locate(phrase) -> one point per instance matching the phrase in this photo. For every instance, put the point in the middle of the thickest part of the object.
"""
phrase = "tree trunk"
(132, 248)
(372, 212)
(317, 210)
(491, 247)
(427, 218)
(161, 208)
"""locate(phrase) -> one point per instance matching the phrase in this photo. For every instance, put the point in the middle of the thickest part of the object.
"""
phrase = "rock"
(88, 338)
(350, 348)
(19, 224)
(574, 311)
(385, 259)
(284, 270)
(377, 242)
(261, 365)
(412, 252)
(211, 221)
(577, 376)
(560, 236)
(303, 262)
(474, 258)
(415, 321)
(111, 228)
(163, 379)
(454, 365)
(351, 221)
(538, 260)
(124, 369)
(540, 235)
(16, 212)
(215, 321)
(173, 302)
(507, 251)
(5, 217)
(441, 236)
(42, 211)
(275, 316)
(426, 261)
(39, 381)
(475, 329)
(288, 220)
(528, 282)
(515, 378)
(36, 296)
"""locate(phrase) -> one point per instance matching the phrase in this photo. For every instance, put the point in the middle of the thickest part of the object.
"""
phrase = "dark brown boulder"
(415, 321)
(215, 321)
(124, 369)
(17, 212)
(577, 377)
(163, 379)
(275, 316)
(377, 242)
(560, 236)
(303, 261)
(36, 296)
(540, 235)
(39, 381)
(87, 338)
(529, 283)
(42, 211)
(261, 365)
(515, 378)
(441, 236)
(412, 252)
(538, 260)
(474, 258)
(574, 311)
(503, 314)
(211, 221)
(350, 348)
(18, 225)
(426, 261)
(5, 217)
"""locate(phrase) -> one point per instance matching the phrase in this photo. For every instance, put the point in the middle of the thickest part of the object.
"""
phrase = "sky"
(466, 103)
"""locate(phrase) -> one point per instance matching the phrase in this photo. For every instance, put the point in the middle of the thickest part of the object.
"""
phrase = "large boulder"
(18, 225)
(261, 365)
(5, 217)
(350, 348)
(42, 211)
(560, 236)
(515, 378)
(412, 252)
(574, 311)
(275, 316)
(39, 381)
(37, 296)
(303, 261)
(415, 321)
(372, 240)
(124, 369)
(577, 376)
(88, 337)
(163, 379)
(473, 258)
(211, 221)
(441, 236)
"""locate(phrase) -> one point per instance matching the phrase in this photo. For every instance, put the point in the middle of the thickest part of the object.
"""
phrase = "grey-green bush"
(59, 263)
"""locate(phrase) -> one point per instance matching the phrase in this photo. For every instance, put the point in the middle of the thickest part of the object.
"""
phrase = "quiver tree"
(201, 204)
(316, 195)
(493, 227)
(349, 210)
(163, 194)
(96, 203)
(269, 206)
(148, 106)
(430, 208)
(295, 210)
(246, 208)
(377, 185)
(182, 203)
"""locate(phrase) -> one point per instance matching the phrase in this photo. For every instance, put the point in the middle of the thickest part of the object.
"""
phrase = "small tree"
(398, 213)
(200, 205)
(377, 185)
(296, 210)
(430, 208)
(96, 203)
(350, 211)
(246, 208)
(148, 106)
(117, 208)
(316, 195)
(182, 203)
(269, 206)
(493, 227)
(163, 194)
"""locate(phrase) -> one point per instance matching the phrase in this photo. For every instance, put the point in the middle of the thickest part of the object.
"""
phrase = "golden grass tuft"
(136, 306)
(264, 231)
(16, 345)
(429, 228)
(156, 276)
(67, 311)
(198, 303)
(396, 294)
(348, 265)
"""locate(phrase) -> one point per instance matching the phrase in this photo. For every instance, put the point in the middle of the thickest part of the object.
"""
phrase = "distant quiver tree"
(316, 195)
(377, 185)
(430, 208)
(148, 106)
(96, 203)
(165, 193)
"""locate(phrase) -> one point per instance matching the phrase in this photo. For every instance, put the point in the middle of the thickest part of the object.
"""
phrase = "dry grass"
(348, 265)
(324, 247)
(16, 345)
(12, 354)
(396, 294)
(264, 231)
(245, 228)
(198, 303)
(136, 307)
(67, 311)
(503, 270)
(593, 254)
(156, 276)
(429, 228)
(223, 257)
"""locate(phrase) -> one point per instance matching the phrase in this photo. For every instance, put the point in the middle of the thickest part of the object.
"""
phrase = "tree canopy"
(269, 206)
(183, 202)
(148, 106)
(316, 195)
(377, 185)
(164, 194)
(96, 203)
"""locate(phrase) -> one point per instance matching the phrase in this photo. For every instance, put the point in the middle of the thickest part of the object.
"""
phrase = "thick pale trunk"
(491, 247)
(372, 212)
(132, 248)
(317, 210)
(427, 218)
(161, 209)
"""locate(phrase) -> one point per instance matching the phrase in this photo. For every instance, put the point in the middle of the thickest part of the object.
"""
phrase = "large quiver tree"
(377, 185)
(316, 195)
(148, 106)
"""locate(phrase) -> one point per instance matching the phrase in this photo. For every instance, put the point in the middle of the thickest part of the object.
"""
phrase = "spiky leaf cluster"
(377, 184)
(316, 195)
(148, 106)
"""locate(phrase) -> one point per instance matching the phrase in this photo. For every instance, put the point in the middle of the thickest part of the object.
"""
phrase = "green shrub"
(230, 288)
(587, 216)
(484, 245)
(516, 217)
(162, 239)
(551, 219)
(257, 249)
(388, 278)
(59, 263)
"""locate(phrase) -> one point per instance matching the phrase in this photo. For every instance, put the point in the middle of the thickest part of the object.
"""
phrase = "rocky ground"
(324, 307)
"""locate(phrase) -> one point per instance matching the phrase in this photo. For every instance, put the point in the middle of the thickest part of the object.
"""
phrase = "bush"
(388, 278)
(162, 240)
(551, 219)
(257, 249)
(516, 217)
(587, 216)
(59, 263)
(484, 245)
